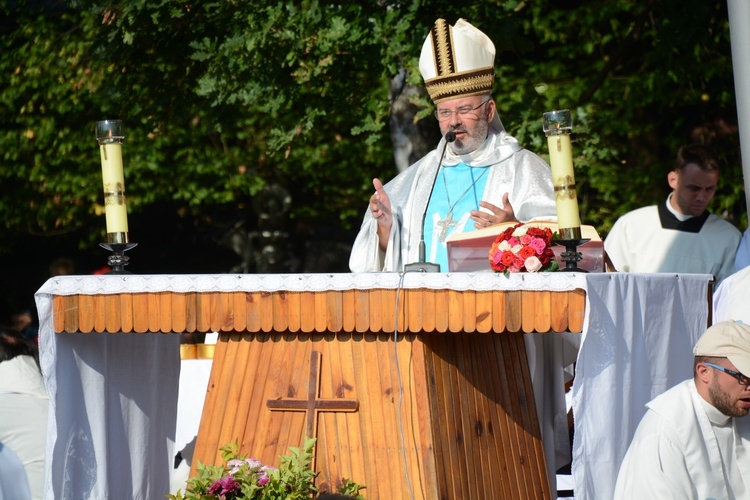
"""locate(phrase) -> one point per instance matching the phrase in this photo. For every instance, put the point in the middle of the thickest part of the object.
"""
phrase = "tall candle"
(109, 134)
(557, 126)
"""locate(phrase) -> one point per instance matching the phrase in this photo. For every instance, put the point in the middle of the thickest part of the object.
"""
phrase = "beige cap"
(457, 61)
(727, 339)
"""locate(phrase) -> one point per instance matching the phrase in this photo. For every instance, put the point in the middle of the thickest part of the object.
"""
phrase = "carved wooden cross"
(312, 405)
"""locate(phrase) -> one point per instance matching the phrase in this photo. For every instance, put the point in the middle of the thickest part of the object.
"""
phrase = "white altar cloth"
(636, 331)
(100, 411)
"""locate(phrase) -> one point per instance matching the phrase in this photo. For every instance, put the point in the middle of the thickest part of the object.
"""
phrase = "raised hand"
(380, 208)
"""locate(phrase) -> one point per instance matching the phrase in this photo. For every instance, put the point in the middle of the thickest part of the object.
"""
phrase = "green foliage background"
(220, 98)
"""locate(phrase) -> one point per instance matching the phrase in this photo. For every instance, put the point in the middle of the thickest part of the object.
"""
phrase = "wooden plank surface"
(126, 312)
(559, 311)
(85, 313)
(328, 311)
(178, 312)
(70, 313)
(542, 311)
(280, 312)
(100, 313)
(165, 312)
(428, 310)
(140, 312)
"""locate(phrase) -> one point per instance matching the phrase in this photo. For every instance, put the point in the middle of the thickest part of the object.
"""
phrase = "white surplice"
(686, 449)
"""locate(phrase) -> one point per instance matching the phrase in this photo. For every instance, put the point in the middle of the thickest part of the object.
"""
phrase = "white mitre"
(457, 61)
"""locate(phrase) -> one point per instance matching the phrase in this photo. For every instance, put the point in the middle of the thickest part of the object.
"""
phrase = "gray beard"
(473, 142)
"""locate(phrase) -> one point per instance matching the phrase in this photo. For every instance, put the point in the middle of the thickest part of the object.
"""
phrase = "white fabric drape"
(638, 338)
(113, 403)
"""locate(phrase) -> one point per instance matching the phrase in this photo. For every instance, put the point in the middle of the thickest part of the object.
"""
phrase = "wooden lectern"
(421, 393)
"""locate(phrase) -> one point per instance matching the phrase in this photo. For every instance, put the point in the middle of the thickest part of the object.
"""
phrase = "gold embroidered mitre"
(457, 61)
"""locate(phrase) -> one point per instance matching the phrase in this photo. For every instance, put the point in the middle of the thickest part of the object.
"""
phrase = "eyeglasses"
(463, 111)
(741, 379)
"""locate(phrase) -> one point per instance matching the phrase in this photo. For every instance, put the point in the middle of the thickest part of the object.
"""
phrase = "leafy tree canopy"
(222, 98)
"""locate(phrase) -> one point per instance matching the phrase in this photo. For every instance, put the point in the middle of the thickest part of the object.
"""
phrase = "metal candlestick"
(118, 260)
(571, 256)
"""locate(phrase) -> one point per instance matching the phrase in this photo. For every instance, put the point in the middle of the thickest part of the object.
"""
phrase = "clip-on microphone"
(422, 266)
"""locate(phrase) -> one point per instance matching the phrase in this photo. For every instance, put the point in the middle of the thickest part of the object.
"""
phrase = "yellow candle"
(113, 181)
(563, 180)
(109, 134)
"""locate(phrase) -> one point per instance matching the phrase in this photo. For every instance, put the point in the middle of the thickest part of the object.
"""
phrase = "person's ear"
(702, 372)
(491, 110)
(672, 178)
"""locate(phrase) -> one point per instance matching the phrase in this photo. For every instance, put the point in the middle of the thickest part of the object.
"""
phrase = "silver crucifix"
(445, 224)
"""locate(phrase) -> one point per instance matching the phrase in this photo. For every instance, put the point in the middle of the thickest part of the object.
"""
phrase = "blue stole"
(458, 179)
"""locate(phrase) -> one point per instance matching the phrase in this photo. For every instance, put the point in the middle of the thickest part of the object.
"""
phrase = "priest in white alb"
(485, 178)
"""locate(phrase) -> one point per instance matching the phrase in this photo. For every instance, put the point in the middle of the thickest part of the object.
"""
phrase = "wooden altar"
(430, 398)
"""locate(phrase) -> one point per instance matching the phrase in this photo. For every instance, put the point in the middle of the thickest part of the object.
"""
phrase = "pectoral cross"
(445, 224)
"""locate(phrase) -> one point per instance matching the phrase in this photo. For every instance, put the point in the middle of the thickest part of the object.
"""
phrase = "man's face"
(727, 396)
(469, 124)
(692, 189)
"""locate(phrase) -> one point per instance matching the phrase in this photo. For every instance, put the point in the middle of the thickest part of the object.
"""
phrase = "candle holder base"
(118, 260)
(571, 256)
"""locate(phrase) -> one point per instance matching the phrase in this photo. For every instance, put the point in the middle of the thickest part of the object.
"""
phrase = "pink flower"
(235, 465)
(521, 248)
(224, 486)
(538, 244)
(497, 258)
(263, 478)
(532, 264)
(253, 463)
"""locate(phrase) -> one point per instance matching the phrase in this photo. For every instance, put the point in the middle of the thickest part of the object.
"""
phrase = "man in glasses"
(694, 441)
(484, 178)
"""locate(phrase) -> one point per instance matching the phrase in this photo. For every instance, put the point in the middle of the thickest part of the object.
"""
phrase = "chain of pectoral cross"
(448, 222)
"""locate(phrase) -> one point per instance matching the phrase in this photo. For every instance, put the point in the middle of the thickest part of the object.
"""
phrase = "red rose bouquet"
(523, 249)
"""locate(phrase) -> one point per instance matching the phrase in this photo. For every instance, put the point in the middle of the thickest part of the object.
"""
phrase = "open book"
(470, 252)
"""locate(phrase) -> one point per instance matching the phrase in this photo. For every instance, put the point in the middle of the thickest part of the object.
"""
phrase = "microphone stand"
(422, 266)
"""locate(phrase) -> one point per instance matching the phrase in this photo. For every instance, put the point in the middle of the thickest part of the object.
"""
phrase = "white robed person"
(693, 442)
(485, 178)
(679, 235)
